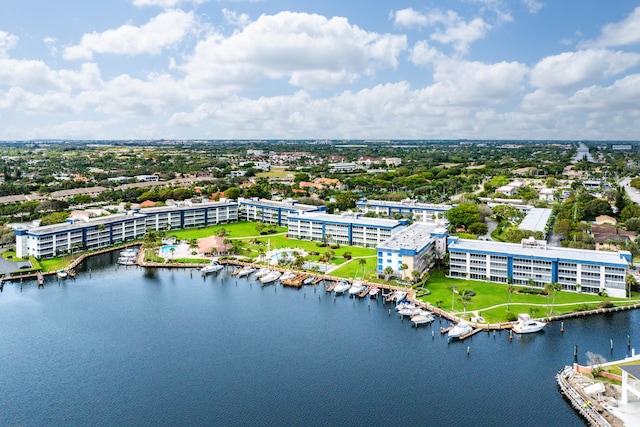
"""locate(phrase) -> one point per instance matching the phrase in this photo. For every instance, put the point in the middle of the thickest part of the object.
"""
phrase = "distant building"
(536, 220)
(423, 212)
(546, 194)
(342, 167)
(621, 147)
(606, 219)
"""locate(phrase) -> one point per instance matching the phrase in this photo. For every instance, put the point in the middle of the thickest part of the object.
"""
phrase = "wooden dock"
(447, 329)
(465, 336)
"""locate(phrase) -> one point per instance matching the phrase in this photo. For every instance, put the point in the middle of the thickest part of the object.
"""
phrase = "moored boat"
(288, 275)
(262, 272)
(374, 292)
(410, 311)
(342, 287)
(355, 288)
(527, 326)
(270, 277)
(245, 271)
(309, 280)
(62, 274)
(422, 318)
(461, 329)
(212, 267)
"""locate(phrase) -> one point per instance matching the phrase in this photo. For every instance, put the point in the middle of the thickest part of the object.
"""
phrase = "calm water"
(129, 346)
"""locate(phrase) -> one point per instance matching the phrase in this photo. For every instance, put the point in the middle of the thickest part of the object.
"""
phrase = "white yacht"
(213, 267)
(342, 287)
(270, 277)
(410, 311)
(462, 328)
(288, 275)
(262, 272)
(399, 296)
(245, 271)
(423, 318)
(356, 288)
(527, 326)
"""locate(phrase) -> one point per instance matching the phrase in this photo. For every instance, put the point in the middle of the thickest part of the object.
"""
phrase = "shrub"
(533, 291)
(335, 246)
(511, 317)
(605, 304)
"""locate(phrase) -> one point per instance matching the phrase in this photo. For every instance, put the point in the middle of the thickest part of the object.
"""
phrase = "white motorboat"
(410, 311)
(62, 274)
(245, 271)
(399, 296)
(309, 280)
(374, 292)
(342, 287)
(288, 275)
(404, 304)
(213, 267)
(262, 272)
(462, 328)
(356, 288)
(423, 318)
(527, 326)
(270, 277)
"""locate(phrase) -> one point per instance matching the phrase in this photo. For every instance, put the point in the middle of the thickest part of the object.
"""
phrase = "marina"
(324, 318)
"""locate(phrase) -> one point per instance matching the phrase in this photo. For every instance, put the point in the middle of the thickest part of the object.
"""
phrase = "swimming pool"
(165, 250)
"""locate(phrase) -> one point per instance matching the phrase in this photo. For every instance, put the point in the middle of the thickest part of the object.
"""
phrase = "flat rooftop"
(536, 219)
(187, 207)
(416, 236)
(92, 222)
(404, 204)
(499, 248)
(283, 204)
(347, 219)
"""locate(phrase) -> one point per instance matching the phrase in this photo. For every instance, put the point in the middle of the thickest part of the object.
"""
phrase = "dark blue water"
(130, 346)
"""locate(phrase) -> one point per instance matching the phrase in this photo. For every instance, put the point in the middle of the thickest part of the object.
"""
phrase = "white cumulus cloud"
(573, 69)
(160, 32)
(308, 50)
(623, 33)
(7, 42)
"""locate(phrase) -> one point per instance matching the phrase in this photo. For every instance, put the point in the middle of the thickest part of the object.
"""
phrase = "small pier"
(40, 278)
(465, 336)
(447, 329)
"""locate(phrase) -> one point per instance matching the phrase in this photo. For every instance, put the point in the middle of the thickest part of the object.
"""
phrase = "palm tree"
(172, 250)
(466, 297)
(261, 252)
(552, 289)
(221, 232)
(510, 289)
(328, 256)
(387, 274)
(427, 258)
(193, 244)
(363, 263)
(415, 274)
(404, 267)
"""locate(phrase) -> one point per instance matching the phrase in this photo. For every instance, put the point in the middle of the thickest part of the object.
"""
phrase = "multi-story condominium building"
(273, 212)
(416, 246)
(346, 229)
(423, 212)
(190, 215)
(532, 263)
(51, 240)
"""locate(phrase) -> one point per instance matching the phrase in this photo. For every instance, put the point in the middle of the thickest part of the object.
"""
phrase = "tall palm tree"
(404, 267)
(552, 290)
(387, 273)
(466, 297)
(363, 263)
(415, 274)
(510, 290)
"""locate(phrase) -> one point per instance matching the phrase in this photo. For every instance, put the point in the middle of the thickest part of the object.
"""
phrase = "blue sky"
(216, 69)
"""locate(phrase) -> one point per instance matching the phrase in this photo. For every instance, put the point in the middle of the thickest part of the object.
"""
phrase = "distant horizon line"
(315, 141)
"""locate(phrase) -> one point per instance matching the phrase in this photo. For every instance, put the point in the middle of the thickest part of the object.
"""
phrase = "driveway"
(7, 266)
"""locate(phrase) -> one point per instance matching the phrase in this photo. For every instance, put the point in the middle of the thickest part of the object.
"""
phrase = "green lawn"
(352, 268)
(234, 230)
(55, 264)
(283, 242)
(492, 294)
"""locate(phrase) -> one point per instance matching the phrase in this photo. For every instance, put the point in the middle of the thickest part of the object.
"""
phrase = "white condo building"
(273, 212)
(533, 263)
(422, 212)
(345, 229)
(92, 233)
(415, 246)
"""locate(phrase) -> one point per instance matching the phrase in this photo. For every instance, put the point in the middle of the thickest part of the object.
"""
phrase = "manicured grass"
(352, 269)
(234, 230)
(55, 264)
(489, 295)
(11, 256)
(283, 242)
